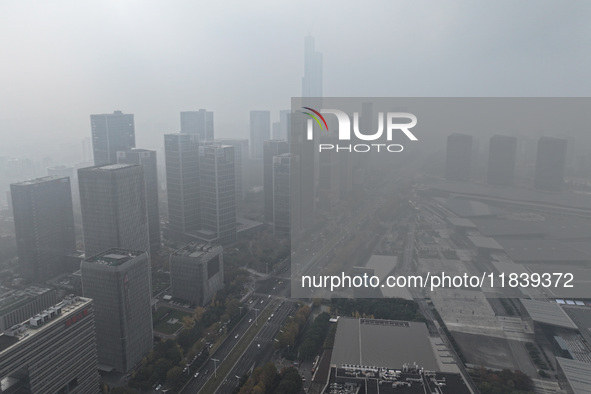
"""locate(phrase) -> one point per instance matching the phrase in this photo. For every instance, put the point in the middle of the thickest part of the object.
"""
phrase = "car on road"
(263, 301)
(158, 387)
(259, 345)
(236, 337)
(196, 374)
(250, 320)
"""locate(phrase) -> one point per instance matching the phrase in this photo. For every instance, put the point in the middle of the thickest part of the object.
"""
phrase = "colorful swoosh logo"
(316, 117)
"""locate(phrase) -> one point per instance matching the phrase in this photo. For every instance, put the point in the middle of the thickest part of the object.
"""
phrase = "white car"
(196, 374)
(250, 320)
(236, 337)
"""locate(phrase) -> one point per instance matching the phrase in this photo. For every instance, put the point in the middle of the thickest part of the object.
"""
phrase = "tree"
(173, 375)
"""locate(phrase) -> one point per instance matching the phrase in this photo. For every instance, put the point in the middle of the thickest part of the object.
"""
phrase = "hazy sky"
(63, 60)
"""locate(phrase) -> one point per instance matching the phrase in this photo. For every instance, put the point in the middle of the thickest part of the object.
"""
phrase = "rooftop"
(548, 313)
(11, 299)
(64, 311)
(198, 249)
(114, 257)
(40, 180)
(485, 243)
(382, 343)
(112, 167)
(543, 250)
(577, 373)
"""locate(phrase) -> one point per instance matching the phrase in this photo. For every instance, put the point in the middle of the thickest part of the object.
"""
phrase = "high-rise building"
(286, 204)
(550, 164)
(118, 280)
(240, 159)
(459, 157)
(147, 159)
(312, 80)
(111, 133)
(217, 194)
(199, 123)
(182, 183)
(329, 174)
(196, 272)
(113, 202)
(284, 124)
(306, 173)
(271, 149)
(44, 225)
(54, 351)
(502, 159)
(260, 131)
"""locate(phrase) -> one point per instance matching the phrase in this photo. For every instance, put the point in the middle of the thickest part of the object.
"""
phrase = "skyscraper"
(182, 183)
(271, 149)
(501, 160)
(260, 131)
(550, 163)
(312, 80)
(54, 351)
(196, 272)
(118, 280)
(284, 124)
(147, 159)
(44, 225)
(217, 194)
(198, 122)
(111, 133)
(286, 204)
(458, 158)
(113, 202)
(240, 159)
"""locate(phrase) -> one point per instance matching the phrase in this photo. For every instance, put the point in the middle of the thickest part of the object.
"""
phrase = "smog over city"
(295, 197)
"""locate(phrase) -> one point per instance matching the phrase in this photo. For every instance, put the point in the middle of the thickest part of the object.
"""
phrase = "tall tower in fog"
(181, 153)
(147, 159)
(260, 131)
(217, 193)
(550, 163)
(198, 122)
(111, 133)
(271, 149)
(44, 225)
(501, 160)
(312, 80)
(459, 157)
(113, 202)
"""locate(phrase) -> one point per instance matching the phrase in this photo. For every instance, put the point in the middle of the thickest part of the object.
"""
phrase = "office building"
(240, 160)
(147, 159)
(286, 204)
(196, 272)
(17, 305)
(44, 225)
(502, 158)
(459, 157)
(118, 280)
(550, 164)
(182, 183)
(260, 131)
(111, 133)
(284, 125)
(113, 202)
(217, 194)
(54, 351)
(312, 80)
(199, 123)
(271, 149)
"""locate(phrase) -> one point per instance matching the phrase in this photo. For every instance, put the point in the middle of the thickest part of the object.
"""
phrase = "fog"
(62, 61)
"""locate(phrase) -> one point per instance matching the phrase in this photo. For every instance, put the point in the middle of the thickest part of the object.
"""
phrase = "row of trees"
(502, 382)
(290, 331)
(383, 308)
(267, 380)
(314, 336)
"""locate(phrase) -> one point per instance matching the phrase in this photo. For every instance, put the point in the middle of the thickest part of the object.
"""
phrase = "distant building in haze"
(44, 225)
(312, 80)
(147, 159)
(199, 123)
(260, 131)
(286, 204)
(271, 149)
(114, 210)
(111, 133)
